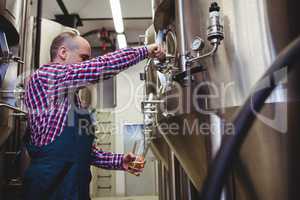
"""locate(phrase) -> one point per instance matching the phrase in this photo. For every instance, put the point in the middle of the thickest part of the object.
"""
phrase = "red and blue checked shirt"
(47, 96)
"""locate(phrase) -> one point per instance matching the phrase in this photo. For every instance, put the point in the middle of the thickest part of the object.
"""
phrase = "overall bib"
(61, 169)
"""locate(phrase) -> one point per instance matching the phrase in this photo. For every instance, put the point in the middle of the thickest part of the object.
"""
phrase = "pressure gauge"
(197, 44)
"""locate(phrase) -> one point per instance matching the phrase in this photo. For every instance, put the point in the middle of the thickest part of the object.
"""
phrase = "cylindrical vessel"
(255, 32)
(11, 19)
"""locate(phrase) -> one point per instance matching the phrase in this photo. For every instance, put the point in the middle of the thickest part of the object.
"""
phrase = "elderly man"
(61, 150)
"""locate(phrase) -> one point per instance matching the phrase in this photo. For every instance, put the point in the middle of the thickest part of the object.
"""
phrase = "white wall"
(129, 95)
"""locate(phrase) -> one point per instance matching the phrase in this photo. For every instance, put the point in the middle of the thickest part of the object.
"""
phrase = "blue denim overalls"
(61, 169)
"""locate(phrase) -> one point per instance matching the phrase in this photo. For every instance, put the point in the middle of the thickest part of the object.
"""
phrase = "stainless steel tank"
(12, 27)
(11, 19)
(255, 32)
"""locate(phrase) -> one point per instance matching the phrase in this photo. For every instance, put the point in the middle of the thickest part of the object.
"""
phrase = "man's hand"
(156, 51)
(133, 164)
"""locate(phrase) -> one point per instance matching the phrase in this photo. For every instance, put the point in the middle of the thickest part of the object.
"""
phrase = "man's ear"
(62, 53)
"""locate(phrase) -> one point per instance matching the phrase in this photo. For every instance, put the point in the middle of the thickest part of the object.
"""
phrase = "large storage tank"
(11, 19)
(11, 23)
(201, 110)
(10, 26)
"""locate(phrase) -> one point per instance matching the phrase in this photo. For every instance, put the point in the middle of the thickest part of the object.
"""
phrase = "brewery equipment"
(220, 49)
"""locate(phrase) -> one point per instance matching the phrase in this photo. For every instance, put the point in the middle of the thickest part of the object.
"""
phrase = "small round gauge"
(197, 44)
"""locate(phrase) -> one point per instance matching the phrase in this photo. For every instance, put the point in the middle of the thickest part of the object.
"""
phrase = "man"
(61, 150)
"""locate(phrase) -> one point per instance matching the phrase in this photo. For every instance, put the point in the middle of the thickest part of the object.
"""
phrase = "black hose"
(228, 153)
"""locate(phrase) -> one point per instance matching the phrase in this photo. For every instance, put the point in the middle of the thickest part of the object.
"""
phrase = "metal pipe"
(62, 7)
(173, 172)
(150, 112)
(145, 72)
(182, 35)
(147, 65)
(17, 114)
(12, 107)
(11, 91)
(38, 33)
(212, 52)
(110, 18)
(153, 101)
(21, 68)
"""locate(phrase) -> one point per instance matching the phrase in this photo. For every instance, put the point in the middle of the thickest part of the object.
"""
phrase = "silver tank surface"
(255, 31)
(250, 45)
(10, 23)
(11, 19)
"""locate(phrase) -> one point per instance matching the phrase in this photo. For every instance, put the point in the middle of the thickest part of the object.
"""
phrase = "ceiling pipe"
(72, 20)
(110, 18)
(38, 34)
(62, 7)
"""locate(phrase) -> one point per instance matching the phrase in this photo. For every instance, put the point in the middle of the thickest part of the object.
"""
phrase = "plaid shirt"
(48, 90)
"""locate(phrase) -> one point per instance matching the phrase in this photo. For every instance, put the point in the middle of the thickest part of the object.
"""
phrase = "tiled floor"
(128, 198)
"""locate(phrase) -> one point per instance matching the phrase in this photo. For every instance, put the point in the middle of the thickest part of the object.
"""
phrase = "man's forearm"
(60, 78)
(107, 160)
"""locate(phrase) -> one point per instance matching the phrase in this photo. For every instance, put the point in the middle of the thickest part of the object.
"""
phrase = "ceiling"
(98, 8)
(97, 14)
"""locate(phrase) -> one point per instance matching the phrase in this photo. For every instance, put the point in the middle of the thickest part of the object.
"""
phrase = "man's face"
(80, 51)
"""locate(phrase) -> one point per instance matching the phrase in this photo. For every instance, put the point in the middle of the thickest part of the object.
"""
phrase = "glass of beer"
(139, 150)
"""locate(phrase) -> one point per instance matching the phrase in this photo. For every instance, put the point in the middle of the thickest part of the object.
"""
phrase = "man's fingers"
(134, 170)
(136, 167)
(160, 53)
(158, 49)
(160, 56)
(135, 173)
(130, 157)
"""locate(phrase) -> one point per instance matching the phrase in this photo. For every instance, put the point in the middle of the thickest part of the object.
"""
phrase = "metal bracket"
(12, 108)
